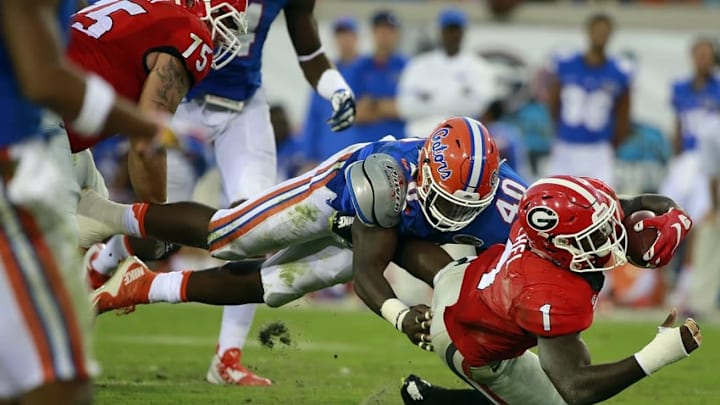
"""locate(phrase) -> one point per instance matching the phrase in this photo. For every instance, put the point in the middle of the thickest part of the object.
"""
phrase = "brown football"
(639, 242)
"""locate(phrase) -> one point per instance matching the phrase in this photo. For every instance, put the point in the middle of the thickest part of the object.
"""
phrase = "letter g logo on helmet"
(542, 219)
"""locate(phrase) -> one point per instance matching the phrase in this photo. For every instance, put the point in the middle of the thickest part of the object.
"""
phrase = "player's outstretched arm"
(421, 258)
(566, 361)
(303, 32)
(317, 68)
(373, 249)
(31, 33)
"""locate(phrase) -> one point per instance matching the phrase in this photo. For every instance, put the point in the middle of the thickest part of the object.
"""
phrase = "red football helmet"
(605, 188)
(227, 23)
(457, 174)
(575, 224)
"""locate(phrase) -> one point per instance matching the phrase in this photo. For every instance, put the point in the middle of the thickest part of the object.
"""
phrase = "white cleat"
(227, 370)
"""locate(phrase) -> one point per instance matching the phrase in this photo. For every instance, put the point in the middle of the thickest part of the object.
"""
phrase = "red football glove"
(672, 228)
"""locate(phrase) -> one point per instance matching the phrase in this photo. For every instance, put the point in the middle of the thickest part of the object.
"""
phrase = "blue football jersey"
(588, 97)
(694, 107)
(20, 118)
(241, 78)
(490, 227)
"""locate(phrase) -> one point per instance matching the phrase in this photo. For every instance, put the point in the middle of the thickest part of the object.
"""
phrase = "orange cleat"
(228, 370)
(128, 286)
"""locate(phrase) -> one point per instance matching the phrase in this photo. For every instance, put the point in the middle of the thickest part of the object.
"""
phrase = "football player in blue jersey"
(44, 319)
(231, 101)
(450, 188)
(590, 104)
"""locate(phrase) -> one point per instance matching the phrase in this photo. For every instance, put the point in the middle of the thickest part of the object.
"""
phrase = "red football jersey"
(113, 38)
(509, 296)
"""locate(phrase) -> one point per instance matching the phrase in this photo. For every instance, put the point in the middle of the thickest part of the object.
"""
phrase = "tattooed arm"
(166, 85)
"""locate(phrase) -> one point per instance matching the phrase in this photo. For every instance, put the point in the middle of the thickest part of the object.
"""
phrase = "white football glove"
(343, 105)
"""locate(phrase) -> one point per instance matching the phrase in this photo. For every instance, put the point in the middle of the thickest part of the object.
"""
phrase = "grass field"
(159, 355)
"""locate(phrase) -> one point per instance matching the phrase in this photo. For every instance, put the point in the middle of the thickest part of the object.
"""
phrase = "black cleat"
(414, 389)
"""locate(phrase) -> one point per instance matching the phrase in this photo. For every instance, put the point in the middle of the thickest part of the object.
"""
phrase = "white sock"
(236, 323)
(115, 251)
(133, 219)
(168, 287)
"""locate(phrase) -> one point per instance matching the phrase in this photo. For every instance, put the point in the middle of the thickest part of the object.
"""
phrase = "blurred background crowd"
(526, 71)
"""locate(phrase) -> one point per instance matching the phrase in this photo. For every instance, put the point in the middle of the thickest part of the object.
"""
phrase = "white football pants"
(244, 149)
(45, 321)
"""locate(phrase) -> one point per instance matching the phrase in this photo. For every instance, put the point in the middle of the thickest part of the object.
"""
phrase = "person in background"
(508, 138)
(533, 120)
(318, 140)
(705, 277)
(376, 80)
(590, 106)
(289, 150)
(445, 82)
(696, 101)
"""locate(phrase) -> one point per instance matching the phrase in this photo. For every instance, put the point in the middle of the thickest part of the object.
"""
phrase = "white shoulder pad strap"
(377, 188)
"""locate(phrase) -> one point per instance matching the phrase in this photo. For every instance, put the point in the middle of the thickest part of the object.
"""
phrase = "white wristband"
(666, 348)
(331, 81)
(97, 104)
(394, 311)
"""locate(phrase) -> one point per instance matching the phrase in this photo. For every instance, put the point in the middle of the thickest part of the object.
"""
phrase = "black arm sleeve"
(659, 204)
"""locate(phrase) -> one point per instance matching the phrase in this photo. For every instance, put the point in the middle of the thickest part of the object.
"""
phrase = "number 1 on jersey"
(545, 310)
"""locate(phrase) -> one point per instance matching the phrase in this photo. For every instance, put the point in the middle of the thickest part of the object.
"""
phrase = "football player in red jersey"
(153, 52)
(540, 289)
(43, 356)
